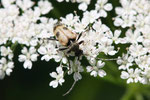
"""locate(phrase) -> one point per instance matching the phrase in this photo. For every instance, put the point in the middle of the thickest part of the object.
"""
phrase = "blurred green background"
(34, 84)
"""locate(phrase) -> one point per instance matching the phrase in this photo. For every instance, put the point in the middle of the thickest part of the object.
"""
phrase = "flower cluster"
(6, 63)
(134, 15)
(18, 25)
(23, 22)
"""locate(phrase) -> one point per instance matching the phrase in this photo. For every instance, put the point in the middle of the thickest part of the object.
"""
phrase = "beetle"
(68, 39)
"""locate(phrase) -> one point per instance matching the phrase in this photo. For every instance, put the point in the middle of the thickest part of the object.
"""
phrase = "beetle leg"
(61, 49)
(52, 39)
(87, 29)
(81, 42)
(79, 36)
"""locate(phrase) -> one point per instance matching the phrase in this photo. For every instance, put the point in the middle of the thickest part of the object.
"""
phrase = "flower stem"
(13, 46)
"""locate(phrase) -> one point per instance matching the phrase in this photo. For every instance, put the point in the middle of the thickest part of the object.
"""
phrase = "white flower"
(7, 3)
(126, 14)
(142, 22)
(125, 21)
(75, 66)
(70, 19)
(96, 69)
(146, 76)
(90, 17)
(133, 37)
(143, 61)
(125, 62)
(137, 50)
(82, 6)
(6, 52)
(28, 56)
(5, 67)
(59, 77)
(49, 51)
(126, 9)
(118, 21)
(45, 6)
(99, 27)
(24, 4)
(131, 75)
(116, 35)
(102, 6)
(80, 27)
(106, 46)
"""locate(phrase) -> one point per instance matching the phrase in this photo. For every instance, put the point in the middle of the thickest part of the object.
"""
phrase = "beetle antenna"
(70, 88)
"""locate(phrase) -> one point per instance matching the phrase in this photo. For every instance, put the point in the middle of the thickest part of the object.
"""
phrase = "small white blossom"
(102, 6)
(24, 4)
(125, 62)
(59, 77)
(96, 69)
(146, 76)
(82, 6)
(90, 17)
(76, 68)
(70, 19)
(143, 61)
(7, 3)
(100, 27)
(28, 56)
(45, 6)
(137, 50)
(133, 37)
(6, 52)
(115, 37)
(5, 67)
(131, 75)
(48, 51)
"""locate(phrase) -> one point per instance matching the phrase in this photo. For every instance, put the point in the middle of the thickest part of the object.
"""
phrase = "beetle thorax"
(74, 47)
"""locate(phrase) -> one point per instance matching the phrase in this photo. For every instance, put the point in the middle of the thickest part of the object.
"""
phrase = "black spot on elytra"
(57, 34)
(65, 28)
(54, 28)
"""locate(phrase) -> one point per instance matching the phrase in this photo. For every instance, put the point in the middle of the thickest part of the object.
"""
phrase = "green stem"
(13, 46)
(132, 90)
(138, 96)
